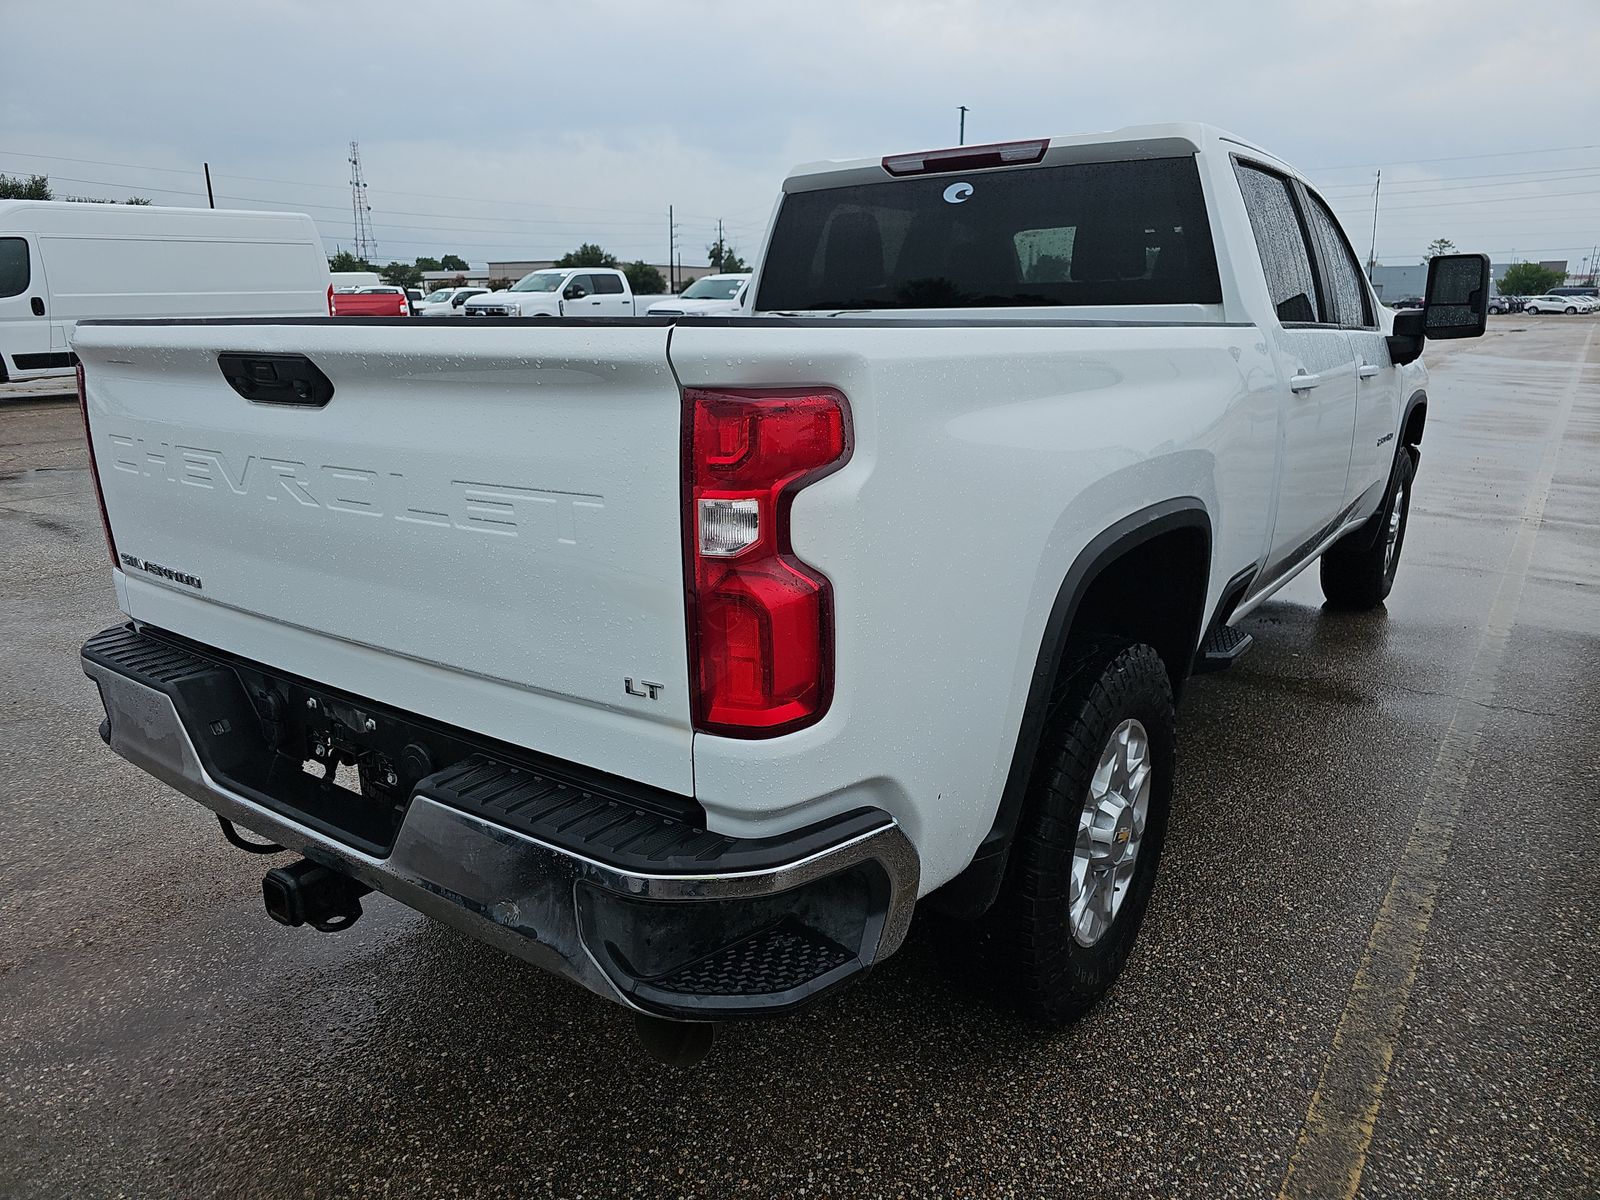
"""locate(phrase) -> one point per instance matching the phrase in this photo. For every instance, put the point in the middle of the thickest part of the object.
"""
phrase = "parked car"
(1505, 304)
(1570, 305)
(61, 263)
(380, 301)
(687, 663)
(1408, 302)
(708, 296)
(1589, 290)
(415, 296)
(447, 302)
(563, 292)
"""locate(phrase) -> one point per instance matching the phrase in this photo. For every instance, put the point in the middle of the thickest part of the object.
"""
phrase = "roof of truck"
(1131, 141)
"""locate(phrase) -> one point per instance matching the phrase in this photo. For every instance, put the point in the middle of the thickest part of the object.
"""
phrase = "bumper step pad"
(769, 961)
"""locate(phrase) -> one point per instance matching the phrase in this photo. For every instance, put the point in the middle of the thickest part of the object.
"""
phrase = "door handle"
(1303, 382)
(1367, 370)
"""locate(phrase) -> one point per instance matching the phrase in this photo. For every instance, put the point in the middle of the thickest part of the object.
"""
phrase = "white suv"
(1570, 305)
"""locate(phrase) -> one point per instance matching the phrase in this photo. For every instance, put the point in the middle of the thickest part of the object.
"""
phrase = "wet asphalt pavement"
(159, 1036)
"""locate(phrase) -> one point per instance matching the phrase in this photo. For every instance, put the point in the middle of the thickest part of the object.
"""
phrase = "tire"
(1358, 570)
(1571, 311)
(1045, 950)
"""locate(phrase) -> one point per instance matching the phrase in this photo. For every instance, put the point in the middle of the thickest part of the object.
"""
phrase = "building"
(1399, 282)
(474, 276)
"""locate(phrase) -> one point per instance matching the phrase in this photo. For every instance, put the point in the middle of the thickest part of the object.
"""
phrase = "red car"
(371, 302)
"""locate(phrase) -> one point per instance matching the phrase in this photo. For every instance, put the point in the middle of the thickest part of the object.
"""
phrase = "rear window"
(13, 266)
(1087, 233)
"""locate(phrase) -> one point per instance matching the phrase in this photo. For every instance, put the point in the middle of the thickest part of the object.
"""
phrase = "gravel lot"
(159, 1036)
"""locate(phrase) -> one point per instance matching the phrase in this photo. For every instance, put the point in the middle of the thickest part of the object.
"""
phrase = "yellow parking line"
(1331, 1150)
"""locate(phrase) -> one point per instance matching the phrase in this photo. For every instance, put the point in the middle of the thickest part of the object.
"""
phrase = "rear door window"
(1085, 233)
(1346, 290)
(607, 285)
(1281, 240)
(14, 266)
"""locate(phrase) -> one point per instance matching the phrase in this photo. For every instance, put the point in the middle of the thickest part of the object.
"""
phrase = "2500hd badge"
(134, 563)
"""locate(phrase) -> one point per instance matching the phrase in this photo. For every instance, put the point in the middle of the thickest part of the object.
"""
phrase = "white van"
(63, 262)
(349, 281)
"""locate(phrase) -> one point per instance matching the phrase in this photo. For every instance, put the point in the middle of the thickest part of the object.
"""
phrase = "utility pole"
(672, 253)
(1372, 254)
(722, 249)
(210, 199)
(961, 137)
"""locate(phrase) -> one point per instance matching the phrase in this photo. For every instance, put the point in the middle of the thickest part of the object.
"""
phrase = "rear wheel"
(1571, 311)
(1083, 862)
(1358, 570)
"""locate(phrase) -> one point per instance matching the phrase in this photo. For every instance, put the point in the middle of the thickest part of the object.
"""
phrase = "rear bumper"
(640, 907)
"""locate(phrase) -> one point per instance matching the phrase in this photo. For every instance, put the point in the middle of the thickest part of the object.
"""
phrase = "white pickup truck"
(564, 292)
(686, 658)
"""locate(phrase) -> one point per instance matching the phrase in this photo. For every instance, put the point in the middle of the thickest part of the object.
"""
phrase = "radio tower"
(360, 210)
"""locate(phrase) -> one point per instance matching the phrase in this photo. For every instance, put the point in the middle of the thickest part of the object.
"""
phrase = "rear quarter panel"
(986, 458)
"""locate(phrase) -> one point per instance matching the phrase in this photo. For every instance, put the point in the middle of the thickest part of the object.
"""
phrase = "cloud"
(503, 129)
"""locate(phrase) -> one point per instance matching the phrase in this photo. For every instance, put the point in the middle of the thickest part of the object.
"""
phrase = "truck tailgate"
(481, 526)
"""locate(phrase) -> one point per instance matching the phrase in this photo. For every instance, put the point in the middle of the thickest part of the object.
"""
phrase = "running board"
(1221, 650)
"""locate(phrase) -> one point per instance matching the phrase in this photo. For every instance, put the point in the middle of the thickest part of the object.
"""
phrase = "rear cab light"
(760, 619)
(967, 158)
(94, 468)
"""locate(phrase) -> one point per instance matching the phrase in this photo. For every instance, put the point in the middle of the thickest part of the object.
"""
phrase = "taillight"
(760, 619)
(967, 158)
(94, 469)
(330, 301)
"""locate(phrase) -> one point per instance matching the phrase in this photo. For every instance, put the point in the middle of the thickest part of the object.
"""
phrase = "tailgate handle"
(291, 379)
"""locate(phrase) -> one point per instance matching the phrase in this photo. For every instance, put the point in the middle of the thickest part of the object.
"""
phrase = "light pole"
(961, 137)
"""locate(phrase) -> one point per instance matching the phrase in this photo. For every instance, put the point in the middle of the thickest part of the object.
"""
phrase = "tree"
(451, 262)
(1529, 279)
(588, 255)
(723, 260)
(35, 187)
(459, 281)
(428, 264)
(501, 284)
(1437, 247)
(401, 274)
(644, 279)
(345, 261)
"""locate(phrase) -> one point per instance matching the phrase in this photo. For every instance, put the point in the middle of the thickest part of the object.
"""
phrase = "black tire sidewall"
(1406, 472)
(1058, 977)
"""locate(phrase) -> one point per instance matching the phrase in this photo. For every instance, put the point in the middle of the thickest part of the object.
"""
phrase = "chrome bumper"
(557, 909)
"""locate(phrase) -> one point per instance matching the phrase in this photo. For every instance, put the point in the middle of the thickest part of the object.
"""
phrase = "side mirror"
(458, 302)
(1458, 296)
(574, 292)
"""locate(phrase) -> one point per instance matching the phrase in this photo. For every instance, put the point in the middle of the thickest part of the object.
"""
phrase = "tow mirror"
(1458, 296)
(1457, 306)
(574, 292)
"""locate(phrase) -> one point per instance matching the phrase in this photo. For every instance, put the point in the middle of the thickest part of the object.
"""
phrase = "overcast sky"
(497, 129)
